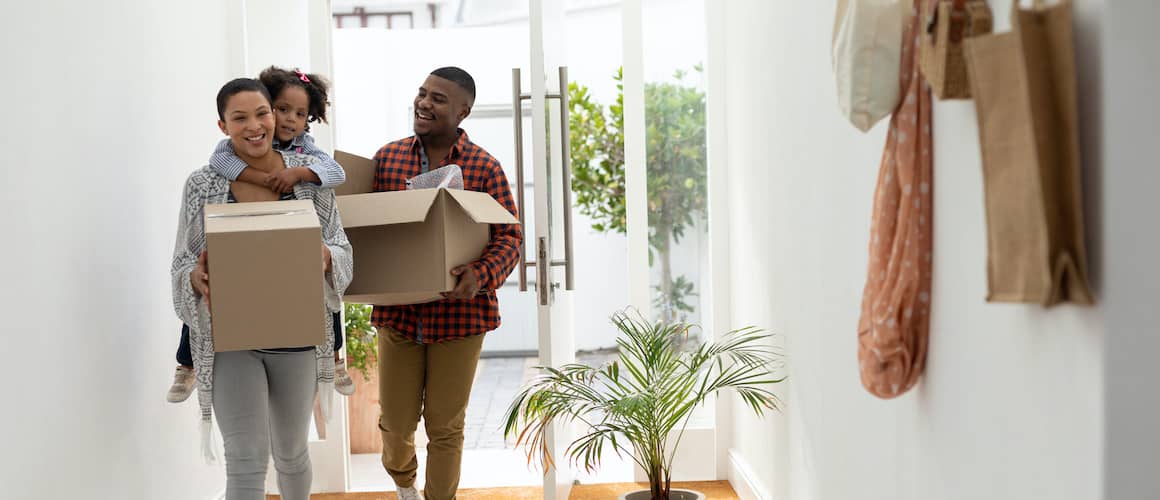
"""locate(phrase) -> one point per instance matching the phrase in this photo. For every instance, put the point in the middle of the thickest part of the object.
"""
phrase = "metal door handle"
(543, 269)
(518, 114)
(566, 147)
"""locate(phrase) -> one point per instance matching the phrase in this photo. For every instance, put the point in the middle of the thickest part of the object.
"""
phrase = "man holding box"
(428, 352)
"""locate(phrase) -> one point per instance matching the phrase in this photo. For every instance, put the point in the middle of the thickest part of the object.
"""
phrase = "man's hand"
(468, 285)
(199, 276)
(283, 181)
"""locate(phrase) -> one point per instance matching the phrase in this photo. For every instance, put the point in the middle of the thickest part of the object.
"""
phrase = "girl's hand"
(283, 181)
(199, 276)
(326, 263)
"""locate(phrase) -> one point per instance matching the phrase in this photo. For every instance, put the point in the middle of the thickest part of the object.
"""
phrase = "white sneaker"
(342, 381)
(182, 387)
(408, 493)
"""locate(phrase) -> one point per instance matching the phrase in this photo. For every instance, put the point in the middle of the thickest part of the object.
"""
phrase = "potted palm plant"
(640, 404)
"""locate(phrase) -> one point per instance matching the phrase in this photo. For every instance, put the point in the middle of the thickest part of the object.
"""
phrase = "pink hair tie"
(301, 76)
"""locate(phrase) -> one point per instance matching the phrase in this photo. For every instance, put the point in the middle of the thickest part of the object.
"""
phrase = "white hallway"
(109, 108)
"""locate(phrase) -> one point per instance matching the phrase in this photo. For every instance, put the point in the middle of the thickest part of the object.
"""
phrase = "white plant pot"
(674, 494)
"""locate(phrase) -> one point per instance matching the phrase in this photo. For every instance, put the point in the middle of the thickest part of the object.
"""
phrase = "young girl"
(299, 100)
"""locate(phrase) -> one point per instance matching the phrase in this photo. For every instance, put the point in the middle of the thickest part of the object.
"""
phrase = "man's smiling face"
(439, 107)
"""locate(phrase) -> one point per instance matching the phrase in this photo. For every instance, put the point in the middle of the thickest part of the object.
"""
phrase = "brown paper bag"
(1025, 95)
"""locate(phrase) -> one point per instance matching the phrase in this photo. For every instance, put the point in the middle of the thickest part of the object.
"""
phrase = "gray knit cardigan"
(205, 186)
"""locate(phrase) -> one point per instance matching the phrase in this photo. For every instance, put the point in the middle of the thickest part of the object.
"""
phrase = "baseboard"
(744, 481)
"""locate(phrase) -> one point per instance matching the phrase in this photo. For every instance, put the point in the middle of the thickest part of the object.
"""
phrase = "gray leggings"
(263, 401)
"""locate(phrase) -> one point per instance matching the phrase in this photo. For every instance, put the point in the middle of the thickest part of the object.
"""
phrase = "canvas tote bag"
(1024, 84)
(948, 23)
(866, 46)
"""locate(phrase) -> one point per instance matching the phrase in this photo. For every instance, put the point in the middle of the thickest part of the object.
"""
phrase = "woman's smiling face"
(249, 123)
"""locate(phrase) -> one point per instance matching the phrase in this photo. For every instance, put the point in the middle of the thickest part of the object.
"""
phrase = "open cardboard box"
(265, 268)
(406, 242)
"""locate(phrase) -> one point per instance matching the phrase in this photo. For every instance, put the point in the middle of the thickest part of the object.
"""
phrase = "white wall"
(108, 110)
(279, 43)
(1132, 447)
(1010, 406)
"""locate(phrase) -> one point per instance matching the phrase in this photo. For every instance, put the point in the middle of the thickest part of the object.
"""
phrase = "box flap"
(360, 173)
(392, 207)
(481, 207)
(263, 215)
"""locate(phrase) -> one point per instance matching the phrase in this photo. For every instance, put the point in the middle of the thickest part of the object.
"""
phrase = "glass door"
(544, 69)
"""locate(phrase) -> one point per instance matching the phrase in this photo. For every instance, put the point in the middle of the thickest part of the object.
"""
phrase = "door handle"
(566, 149)
(566, 166)
(543, 268)
(518, 115)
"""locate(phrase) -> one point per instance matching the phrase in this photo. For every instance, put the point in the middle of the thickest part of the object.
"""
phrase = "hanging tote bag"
(948, 24)
(867, 42)
(1024, 83)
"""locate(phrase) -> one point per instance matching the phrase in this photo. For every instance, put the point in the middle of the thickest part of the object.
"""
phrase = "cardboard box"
(360, 174)
(265, 268)
(406, 242)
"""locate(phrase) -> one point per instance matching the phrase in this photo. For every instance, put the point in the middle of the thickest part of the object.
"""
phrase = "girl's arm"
(329, 173)
(228, 165)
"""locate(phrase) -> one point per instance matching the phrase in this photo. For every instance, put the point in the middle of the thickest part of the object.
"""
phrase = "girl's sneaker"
(342, 381)
(182, 384)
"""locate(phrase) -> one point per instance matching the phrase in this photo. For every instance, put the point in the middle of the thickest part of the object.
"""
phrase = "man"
(428, 352)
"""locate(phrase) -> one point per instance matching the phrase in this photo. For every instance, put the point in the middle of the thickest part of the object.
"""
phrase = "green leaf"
(637, 410)
(361, 338)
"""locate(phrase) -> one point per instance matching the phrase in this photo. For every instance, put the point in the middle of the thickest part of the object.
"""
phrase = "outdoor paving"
(497, 381)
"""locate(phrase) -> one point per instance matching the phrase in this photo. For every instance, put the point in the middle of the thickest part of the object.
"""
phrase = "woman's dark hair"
(237, 86)
(277, 79)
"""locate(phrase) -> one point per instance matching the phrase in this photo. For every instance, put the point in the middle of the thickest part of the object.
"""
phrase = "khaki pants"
(434, 381)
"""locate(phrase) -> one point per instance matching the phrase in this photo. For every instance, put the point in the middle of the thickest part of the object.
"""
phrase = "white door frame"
(692, 464)
(720, 316)
(554, 301)
(258, 31)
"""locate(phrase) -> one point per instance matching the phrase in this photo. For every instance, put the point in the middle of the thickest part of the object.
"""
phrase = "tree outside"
(676, 173)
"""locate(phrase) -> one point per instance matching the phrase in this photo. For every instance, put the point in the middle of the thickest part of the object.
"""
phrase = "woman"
(263, 398)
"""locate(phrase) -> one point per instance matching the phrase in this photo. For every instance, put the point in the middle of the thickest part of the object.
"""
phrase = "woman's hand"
(199, 276)
(326, 262)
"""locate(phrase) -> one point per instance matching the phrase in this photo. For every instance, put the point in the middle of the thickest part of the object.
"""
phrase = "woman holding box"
(263, 398)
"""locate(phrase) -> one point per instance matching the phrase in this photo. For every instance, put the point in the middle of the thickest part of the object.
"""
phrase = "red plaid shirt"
(449, 319)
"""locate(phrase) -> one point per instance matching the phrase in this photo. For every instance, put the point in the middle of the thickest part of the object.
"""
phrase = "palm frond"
(635, 404)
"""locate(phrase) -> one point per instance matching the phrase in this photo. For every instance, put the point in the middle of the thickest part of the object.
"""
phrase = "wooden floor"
(713, 490)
